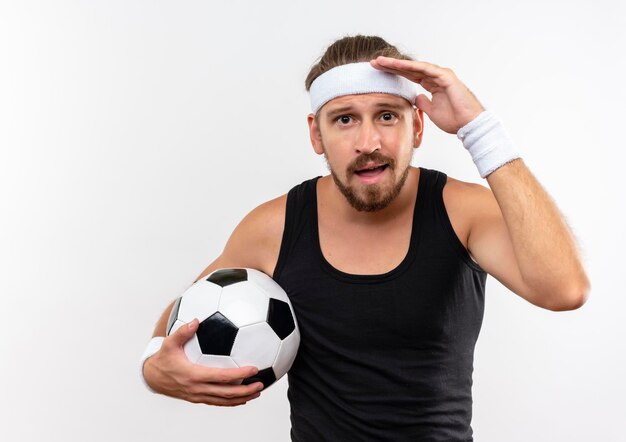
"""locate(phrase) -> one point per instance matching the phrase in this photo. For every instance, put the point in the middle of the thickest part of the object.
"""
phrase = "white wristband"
(153, 346)
(488, 142)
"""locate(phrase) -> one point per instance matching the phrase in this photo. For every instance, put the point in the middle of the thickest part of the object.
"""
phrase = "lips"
(371, 169)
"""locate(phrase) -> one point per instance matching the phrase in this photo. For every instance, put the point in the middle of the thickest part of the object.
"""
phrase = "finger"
(222, 375)
(216, 400)
(227, 391)
(422, 67)
(423, 103)
(416, 77)
(430, 77)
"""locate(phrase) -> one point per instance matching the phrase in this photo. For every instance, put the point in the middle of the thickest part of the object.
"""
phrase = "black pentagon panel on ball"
(173, 316)
(216, 335)
(267, 377)
(224, 277)
(279, 317)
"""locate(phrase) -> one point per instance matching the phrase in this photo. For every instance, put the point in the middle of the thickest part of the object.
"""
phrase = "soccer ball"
(245, 319)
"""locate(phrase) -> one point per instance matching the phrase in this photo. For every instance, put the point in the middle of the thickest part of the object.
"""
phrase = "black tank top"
(384, 357)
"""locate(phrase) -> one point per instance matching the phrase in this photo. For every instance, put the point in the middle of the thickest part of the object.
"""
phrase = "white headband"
(358, 78)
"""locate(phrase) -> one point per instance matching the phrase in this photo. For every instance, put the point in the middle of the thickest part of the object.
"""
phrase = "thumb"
(423, 103)
(184, 332)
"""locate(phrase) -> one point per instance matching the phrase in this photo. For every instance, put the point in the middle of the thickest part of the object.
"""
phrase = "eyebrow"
(348, 108)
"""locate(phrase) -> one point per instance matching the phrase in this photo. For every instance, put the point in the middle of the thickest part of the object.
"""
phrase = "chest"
(362, 250)
(379, 249)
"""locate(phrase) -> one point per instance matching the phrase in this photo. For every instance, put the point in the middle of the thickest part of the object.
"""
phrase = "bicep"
(218, 263)
(254, 243)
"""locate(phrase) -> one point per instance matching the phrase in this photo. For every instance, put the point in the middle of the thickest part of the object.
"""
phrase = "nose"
(368, 138)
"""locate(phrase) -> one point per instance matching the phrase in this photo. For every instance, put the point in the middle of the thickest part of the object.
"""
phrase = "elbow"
(572, 299)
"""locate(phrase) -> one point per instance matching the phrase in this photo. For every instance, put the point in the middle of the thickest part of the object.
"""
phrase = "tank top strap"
(441, 220)
(429, 187)
(298, 211)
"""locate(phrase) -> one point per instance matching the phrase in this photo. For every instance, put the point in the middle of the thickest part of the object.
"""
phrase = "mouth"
(371, 170)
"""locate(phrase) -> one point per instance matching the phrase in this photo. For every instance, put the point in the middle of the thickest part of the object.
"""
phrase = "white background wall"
(134, 135)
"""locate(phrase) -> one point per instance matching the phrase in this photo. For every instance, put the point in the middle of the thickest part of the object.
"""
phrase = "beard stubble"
(376, 197)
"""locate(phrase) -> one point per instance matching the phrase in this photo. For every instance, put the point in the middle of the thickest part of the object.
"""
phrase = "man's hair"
(352, 49)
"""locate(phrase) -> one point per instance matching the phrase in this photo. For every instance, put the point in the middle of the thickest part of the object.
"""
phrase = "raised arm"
(520, 237)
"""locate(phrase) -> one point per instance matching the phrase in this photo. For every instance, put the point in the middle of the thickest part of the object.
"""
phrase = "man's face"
(368, 142)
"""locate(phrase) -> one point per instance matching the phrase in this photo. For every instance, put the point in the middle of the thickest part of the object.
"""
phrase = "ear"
(315, 134)
(418, 127)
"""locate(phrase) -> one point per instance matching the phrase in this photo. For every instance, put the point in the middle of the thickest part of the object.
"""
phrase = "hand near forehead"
(452, 105)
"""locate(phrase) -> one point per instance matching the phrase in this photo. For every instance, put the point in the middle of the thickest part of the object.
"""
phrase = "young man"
(385, 264)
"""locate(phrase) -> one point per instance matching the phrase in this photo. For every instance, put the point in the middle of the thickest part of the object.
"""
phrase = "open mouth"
(371, 171)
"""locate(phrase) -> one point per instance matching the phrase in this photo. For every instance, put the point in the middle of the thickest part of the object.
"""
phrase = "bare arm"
(254, 243)
(522, 239)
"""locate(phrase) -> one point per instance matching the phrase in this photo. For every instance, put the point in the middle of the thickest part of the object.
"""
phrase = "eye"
(344, 119)
(390, 114)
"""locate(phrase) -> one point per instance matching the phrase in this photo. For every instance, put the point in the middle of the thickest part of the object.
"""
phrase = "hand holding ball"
(245, 319)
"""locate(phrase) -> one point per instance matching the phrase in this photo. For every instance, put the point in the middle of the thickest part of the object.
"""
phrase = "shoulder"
(467, 204)
(472, 201)
(255, 242)
(465, 189)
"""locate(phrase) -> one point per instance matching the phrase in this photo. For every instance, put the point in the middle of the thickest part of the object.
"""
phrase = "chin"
(372, 197)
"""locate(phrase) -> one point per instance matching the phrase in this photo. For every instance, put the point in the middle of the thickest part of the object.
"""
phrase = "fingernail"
(259, 387)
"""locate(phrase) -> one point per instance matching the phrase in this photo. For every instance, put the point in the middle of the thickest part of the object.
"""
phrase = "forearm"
(544, 245)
